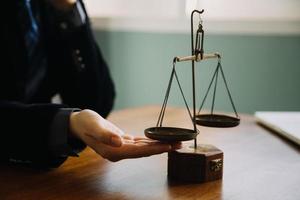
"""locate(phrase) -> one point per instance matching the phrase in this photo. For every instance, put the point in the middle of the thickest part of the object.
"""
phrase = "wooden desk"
(258, 165)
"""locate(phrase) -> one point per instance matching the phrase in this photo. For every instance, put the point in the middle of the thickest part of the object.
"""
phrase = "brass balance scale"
(203, 162)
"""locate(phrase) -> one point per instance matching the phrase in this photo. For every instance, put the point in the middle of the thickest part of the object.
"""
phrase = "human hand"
(134, 147)
(93, 129)
(64, 5)
(109, 141)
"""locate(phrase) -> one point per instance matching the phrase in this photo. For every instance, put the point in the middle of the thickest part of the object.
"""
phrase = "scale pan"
(213, 120)
(170, 134)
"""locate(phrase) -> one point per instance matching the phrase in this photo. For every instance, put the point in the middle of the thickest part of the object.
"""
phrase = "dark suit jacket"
(76, 70)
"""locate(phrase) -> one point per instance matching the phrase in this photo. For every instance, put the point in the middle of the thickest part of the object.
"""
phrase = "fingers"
(140, 138)
(128, 137)
(88, 124)
(136, 149)
(107, 138)
(112, 128)
(144, 150)
(174, 145)
(105, 132)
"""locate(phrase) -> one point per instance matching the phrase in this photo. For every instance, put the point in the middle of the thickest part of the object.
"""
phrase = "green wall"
(262, 71)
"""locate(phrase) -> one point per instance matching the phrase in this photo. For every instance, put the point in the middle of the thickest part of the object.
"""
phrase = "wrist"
(74, 132)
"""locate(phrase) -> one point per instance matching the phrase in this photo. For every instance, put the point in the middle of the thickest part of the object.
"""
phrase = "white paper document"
(286, 124)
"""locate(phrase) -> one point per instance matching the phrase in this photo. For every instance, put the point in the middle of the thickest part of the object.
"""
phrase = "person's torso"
(20, 75)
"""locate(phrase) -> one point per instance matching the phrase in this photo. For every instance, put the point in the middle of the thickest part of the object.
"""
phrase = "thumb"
(107, 133)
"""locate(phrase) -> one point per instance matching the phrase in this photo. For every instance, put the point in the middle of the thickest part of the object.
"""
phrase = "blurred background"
(259, 42)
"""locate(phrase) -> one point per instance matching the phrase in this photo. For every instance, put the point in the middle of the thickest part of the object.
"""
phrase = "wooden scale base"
(195, 165)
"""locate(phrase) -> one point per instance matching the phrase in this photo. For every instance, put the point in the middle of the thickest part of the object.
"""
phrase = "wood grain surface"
(257, 165)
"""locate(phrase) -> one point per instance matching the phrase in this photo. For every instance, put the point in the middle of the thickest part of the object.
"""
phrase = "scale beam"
(198, 58)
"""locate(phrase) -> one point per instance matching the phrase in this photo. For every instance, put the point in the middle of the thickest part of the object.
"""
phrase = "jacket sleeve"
(25, 132)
